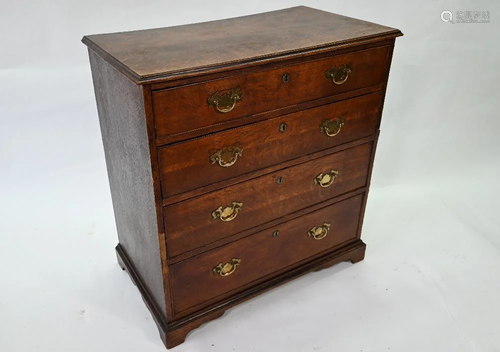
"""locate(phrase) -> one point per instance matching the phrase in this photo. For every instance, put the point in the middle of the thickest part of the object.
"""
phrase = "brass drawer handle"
(226, 269)
(325, 180)
(227, 156)
(332, 127)
(334, 73)
(227, 213)
(318, 233)
(225, 102)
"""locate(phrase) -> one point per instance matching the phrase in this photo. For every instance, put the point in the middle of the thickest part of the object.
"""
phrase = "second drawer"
(238, 151)
(197, 222)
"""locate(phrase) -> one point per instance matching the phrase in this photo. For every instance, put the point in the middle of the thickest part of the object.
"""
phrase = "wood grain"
(152, 89)
(159, 53)
(186, 108)
(120, 105)
(262, 254)
(264, 144)
(190, 224)
(352, 251)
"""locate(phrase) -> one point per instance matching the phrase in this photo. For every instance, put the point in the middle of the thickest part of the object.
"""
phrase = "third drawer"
(199, 221)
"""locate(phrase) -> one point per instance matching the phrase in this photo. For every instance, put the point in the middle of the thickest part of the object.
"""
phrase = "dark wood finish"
(264, 226)
(165, 52)
(282, 61)
(175, 333)
(353, 251)
(120, 105)
(302, 136)
(158, 132)
(148, 109)
(267, 170)
(186, 108)
(263, 199)
(193, 134)
(262, 254)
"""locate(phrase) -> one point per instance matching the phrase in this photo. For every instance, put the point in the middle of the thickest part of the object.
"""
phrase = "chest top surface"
(156, 54)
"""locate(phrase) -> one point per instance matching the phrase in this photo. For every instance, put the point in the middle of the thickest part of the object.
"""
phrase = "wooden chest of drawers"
(239, 153)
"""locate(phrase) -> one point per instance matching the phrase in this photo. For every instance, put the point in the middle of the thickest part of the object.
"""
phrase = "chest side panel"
(120, 105)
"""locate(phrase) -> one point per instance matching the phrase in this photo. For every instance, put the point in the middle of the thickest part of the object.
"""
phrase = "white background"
(430, 280)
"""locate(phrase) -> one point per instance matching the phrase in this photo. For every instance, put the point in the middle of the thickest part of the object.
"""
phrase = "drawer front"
(197, 222)
(201, 105)
(227, 268)
(245, 149)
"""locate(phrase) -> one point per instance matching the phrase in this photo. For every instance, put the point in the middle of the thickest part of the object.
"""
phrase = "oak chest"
(239, 152)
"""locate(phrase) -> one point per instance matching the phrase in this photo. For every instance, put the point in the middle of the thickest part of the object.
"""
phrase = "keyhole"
(283, 127)
(279, 180)
(286, 78)
(276, 233)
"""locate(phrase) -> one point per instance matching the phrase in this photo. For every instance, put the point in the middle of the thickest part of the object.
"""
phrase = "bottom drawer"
(206, 276)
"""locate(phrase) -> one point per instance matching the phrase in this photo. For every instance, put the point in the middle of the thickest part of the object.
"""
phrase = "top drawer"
(195, 106)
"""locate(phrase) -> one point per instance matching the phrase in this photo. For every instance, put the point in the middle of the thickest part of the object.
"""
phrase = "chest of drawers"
(238, 152)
